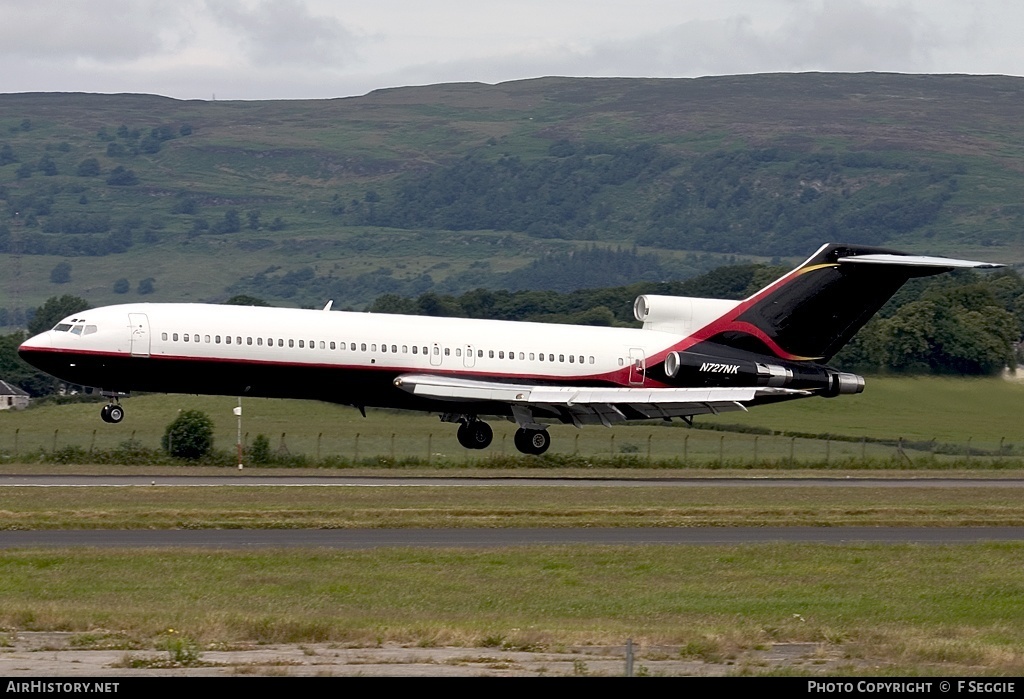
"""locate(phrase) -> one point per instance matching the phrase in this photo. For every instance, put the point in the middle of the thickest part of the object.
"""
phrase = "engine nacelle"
(695, 369)
(682, 315)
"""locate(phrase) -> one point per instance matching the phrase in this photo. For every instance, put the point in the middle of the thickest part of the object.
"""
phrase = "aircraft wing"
(581, 405)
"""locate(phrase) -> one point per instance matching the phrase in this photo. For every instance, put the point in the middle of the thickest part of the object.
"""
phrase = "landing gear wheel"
(475, 434)
(534, 442)
(112, 413)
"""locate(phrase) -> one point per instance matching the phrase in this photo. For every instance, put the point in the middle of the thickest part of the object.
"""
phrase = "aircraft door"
(435, 355)
(470, 358)
(138, 324)
(637, 367)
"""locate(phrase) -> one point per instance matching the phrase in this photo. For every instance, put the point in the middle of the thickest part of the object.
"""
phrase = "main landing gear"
(476, 434)
(534, 442)
(112, 412)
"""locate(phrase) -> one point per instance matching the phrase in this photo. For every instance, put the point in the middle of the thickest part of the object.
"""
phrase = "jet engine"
(695, 369)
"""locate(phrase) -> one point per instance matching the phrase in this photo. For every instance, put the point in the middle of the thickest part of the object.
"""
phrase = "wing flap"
(590, 404)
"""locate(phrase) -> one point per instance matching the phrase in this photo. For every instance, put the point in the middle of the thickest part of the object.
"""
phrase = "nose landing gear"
(112, 413)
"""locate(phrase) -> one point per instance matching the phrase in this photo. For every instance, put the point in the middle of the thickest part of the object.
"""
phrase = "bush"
(190, 436)
(259, 452)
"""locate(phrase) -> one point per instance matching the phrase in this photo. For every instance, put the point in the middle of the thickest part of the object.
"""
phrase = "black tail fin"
(810, 313)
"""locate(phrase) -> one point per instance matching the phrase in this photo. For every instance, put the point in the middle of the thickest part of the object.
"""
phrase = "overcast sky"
(265, 49)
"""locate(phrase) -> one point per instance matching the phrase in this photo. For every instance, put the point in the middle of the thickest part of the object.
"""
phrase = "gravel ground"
(50, 654)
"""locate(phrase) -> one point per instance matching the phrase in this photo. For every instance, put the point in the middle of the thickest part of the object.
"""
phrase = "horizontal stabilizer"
(919, 261)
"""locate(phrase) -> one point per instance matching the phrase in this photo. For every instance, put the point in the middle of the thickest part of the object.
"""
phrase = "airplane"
(693, 356)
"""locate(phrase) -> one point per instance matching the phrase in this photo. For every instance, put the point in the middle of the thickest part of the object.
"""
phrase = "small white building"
(12, 397)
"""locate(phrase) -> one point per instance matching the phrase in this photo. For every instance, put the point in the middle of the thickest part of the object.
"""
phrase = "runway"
(495, 538)
(341, 481)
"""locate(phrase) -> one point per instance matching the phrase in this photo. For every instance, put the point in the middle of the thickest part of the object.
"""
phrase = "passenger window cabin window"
(227, 340)
(437, 350)
(447, 351)
(302, 343)
(405, 349)
(175, 337)
(312, 344)
(415, 349)
(291, 343)
(541, 356)
(248, 340)
(458, 351)
(394, 348)
(185, 337)
(591, 359)
(238, 340)
(383, 348)
(363, 347)
(621, 363)
(206, 338)
(259, 341)
(196, 338)
(522, 356)
(501, 354)
(332, 344)
(561, 358)
(216, 339)
(163, 336)
(323, 345)
(531, 356)
(373, 347)
(280, 342)
(572, 359)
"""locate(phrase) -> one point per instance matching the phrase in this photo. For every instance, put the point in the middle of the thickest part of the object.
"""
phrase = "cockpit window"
(77, 330)
(89, 330)
(62, 327)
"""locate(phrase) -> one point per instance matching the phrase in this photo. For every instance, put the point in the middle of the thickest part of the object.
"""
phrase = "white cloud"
(275, 32)
(102, 30)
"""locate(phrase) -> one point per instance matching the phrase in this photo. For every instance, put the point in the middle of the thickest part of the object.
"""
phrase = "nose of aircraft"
(27, 349)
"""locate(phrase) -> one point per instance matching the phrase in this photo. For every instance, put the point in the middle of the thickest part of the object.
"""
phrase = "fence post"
(611, 446)
(649, 447)
(686, 449)
(721, 450)
(92, 444)
(355, 455)
(828, 450)
(392, 446)
(16, 442)
(576, 445)
(629, 657)
(318, 438)
(755, 451)
(792, 446)
(430, 445)
(55, 439)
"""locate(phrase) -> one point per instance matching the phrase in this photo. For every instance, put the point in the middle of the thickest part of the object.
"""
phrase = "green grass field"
(889, 610)
(957, 414)
(885, 609)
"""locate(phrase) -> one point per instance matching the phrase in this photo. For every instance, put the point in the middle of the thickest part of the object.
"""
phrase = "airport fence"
(635, 446)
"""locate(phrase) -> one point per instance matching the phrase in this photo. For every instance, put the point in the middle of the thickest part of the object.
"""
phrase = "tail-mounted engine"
(694, 369)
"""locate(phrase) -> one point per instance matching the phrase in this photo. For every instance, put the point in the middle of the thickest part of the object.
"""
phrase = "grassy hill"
(456, 186)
